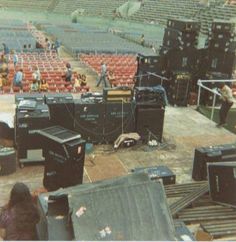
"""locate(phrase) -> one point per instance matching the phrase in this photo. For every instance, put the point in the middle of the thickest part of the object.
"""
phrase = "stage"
(184, 129)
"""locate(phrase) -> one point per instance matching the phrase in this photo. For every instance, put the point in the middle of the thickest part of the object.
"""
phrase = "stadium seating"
(123, 66)
(39, 5)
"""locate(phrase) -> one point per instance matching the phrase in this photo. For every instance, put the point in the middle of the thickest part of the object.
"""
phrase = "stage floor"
(184, 129)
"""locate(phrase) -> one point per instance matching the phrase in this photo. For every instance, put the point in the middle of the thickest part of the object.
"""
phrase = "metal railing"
(201, 85)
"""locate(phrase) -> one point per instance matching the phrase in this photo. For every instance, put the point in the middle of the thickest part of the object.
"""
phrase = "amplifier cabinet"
(149, 122)
(117, 94)
(155, 95)
(119, 119)
(222, 182)
(89, 120)
(158, 173)
(61, 108)
(38, 97)
(35, 119)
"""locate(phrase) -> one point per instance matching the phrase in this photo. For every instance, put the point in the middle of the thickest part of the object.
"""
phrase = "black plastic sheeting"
(126, 208)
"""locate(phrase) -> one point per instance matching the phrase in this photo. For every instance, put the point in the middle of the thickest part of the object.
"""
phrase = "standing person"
(19, 217)
(227, 103)
(103, 75)
(57, 45)
(6, 52)
(68, 74)
(48, 44)
(15, 59)
(142, 40)
(18, 78)
(36, 75)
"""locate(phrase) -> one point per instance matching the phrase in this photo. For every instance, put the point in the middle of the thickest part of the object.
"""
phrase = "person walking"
(227, 103)
(103, 75)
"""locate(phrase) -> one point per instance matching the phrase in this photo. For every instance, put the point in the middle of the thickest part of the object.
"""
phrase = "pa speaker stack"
(150, 111)
(61, 107)
(179, 49)
(221, 45)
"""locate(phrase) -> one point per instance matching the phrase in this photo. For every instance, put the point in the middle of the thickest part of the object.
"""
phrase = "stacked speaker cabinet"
(221, 44)
(89, 120)
(119, 119)
(222, 182)
(64, 152)
(61, 107)
(27, 123)
(149, 64)
(182, 58)
(150, 121)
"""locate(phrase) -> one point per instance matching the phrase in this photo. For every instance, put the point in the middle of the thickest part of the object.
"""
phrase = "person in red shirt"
(20, 216)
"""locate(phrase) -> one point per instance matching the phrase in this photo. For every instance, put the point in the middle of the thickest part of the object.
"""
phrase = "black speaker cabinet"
(38, 97)
(184, 25)
(89, 120)
(218, 42)
(203, 156)
(119, 118)
(35, 119)
(61, 108)
(158, 173)
(222, 182)
(186, 60)
(175, 39)
(220, 61)
(223, 26)
(149, 122)
(64, 153)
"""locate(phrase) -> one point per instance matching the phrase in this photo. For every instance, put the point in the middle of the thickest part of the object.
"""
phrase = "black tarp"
(126, 208)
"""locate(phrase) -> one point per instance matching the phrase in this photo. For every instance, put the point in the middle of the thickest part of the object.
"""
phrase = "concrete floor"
(184, 130)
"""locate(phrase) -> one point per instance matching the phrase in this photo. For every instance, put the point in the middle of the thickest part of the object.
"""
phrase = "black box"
(61, 108)
(157, 173)
(222, 182)
(89, 120)
(184, 25)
